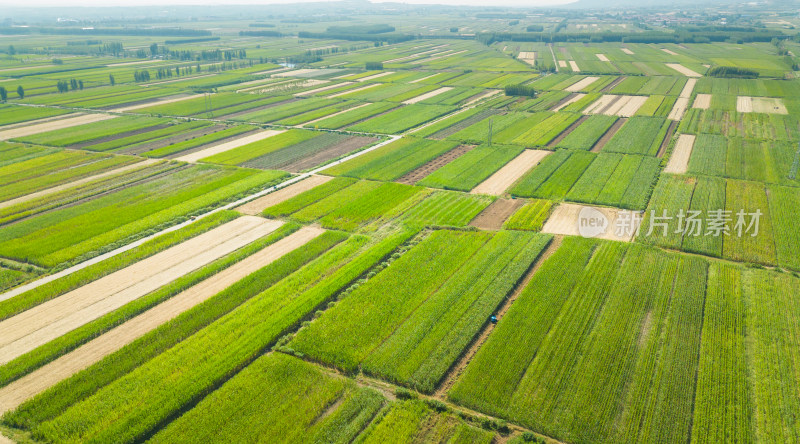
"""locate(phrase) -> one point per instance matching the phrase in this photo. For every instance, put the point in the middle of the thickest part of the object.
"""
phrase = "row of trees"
(64, 86)
(732, 72)
(141, 75)
(520, 90)
(163, 73)
(4, 93)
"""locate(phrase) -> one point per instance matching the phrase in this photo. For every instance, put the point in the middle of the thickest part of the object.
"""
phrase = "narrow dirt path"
(613, 84)
(458, 368)
(493, 217)
(554, 143)
(420, 173)
(608, 135)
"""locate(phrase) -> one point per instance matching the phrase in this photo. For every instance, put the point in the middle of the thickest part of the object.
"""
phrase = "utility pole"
(208, 105)
(491, 120)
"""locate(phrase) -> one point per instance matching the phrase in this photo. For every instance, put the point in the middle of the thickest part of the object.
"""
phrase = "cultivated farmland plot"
(302, 224)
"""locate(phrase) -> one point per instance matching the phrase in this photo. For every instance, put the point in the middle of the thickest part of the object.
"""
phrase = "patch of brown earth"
(608, 135)
(493, 216)
(420, 173)
(332, 152)
(613, 84)
(665, 143)
(182, 137)
(566, 132)
(216, 142)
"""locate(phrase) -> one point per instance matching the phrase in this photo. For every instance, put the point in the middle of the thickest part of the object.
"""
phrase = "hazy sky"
(28, 3)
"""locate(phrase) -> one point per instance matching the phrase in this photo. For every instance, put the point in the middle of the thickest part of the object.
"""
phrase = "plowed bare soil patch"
(502, 180)
(631, 106)
(683, 70)
(567, 217)
(14, 394)
(427, 95)
(420, 173)
(665, 143)
(688, 88)
(375, 76)
(351, 91)
(679, 109)
(38, 121)
(608, 135)
(258, 205)
(493, 217)
(600, 105)
(566, 101)
(581, 84)
(613, 84)
(153, 102)
(223, 147)
(745, 104)
(679, 161)
(702, 101)
(56, 317)
(329, 153)
(54, 125)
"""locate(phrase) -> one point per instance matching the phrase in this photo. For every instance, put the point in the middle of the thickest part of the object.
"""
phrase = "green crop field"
(393, 160)
(472, 168)
(380, 223)
(640, 135)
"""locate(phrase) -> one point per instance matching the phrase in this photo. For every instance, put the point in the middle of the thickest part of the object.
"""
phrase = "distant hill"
(596, 4)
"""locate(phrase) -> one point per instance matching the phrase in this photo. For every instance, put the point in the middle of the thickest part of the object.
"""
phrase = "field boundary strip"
(256, 206)
(76, 183)
(679, 161)
(14, 394)
(38, 121)
(66, 272)
(227, 146)
(148, 104)
(505, 177)
(565, 218)
(29, 130)
(49, 320)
